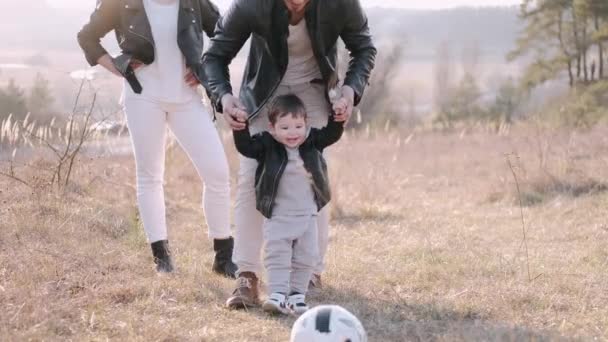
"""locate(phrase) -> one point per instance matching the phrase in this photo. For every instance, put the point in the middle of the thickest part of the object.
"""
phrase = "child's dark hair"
(284, 105)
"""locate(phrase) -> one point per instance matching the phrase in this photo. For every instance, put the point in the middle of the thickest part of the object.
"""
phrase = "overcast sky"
(419, 4)
(435, 4)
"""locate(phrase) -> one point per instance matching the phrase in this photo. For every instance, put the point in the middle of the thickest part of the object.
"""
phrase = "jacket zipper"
(274, 184)
(142, 37)
(274, 89)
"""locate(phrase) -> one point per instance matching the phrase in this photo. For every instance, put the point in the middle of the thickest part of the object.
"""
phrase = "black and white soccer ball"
(328, 323)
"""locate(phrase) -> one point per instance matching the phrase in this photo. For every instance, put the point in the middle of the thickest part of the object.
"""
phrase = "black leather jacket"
(129, 21)
(266, 21)
(272, 159)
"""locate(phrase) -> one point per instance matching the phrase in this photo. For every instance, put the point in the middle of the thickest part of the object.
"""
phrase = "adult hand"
(234, 112)
(343, 107)
(136, 64)
(190, 79)
(106, 62)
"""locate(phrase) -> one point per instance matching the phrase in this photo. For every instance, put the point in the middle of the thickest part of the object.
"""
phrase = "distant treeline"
(564, 37)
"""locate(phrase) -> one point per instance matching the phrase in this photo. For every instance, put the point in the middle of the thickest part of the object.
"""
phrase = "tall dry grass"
(425, 246)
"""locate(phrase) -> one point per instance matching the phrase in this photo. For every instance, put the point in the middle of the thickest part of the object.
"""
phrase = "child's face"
(289, 130)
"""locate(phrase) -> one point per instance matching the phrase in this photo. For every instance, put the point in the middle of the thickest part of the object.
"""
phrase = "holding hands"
(343, 104)
(234, 112)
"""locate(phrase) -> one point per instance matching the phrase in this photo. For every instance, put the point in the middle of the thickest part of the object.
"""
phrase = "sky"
(437, 4)
(416, 4)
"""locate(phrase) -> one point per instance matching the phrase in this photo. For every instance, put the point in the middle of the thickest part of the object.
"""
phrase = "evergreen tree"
(40, 100)
(508, 101)
(12, 101)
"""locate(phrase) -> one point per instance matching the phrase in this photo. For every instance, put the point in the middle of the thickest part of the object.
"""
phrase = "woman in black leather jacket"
(161, 45)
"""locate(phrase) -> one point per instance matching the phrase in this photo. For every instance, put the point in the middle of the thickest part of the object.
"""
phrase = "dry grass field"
(426, 245)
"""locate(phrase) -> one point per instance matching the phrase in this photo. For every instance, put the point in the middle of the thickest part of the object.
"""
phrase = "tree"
(376, 106)
(560, 34)
(40, 100)
(599, 10)
(12, 101)
(460, 102)
(546, 37)
(507, 103)
(443, 83)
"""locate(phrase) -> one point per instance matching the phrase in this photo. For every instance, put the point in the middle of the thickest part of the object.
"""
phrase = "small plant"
(65, 145)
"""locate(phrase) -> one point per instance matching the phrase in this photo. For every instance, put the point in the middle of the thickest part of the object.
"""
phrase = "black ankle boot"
(162, 256)
(223, 258)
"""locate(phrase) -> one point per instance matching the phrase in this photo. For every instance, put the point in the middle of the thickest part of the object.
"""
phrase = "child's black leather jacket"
(272, 159)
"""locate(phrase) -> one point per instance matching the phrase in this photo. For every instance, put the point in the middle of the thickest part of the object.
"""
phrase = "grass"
(425, 246)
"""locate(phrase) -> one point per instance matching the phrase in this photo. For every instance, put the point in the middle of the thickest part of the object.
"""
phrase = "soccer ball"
(328, 323)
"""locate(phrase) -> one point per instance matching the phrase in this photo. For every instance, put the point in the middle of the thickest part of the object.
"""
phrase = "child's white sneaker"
(275, 304)
(296, 303)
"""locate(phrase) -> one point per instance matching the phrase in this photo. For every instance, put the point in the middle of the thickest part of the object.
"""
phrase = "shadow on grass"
(365, 216)
(403, 321)
(542, 190)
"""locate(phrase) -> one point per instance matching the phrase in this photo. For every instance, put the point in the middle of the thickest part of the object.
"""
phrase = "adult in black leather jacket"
(293, 50)
(266, 22)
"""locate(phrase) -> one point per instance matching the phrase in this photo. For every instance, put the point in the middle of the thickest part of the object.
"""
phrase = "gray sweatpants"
(291, 251)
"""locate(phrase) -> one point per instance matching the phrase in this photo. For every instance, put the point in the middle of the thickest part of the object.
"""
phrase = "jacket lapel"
(279, 28)
(134, 4)
(184, 20)
(138, 22)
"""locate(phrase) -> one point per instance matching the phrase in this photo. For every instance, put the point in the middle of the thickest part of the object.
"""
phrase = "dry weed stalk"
(521, 211)
(11, 171)
(65, 156)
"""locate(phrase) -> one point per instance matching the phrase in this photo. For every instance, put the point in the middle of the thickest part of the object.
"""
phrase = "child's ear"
(270, 128)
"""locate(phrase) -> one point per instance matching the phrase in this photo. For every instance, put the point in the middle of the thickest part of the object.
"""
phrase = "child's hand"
(235, 114)
(241, 118)
(340, 105)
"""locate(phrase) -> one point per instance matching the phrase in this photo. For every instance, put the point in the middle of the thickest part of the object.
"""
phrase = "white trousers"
(197, 135)
(248, 235)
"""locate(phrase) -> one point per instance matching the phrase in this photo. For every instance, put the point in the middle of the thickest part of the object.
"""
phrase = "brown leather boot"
(246, 293)
(315, 285)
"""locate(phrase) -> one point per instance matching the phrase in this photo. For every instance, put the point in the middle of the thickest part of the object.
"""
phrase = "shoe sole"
(240, 304)
(273, 309)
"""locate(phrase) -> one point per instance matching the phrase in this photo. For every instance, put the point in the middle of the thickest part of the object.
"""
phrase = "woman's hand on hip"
(190, 79)
(106, 62)
(234, 112)
(136, 64)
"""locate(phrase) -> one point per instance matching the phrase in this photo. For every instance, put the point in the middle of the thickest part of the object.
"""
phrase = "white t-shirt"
(303, 66)
(163, 80)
